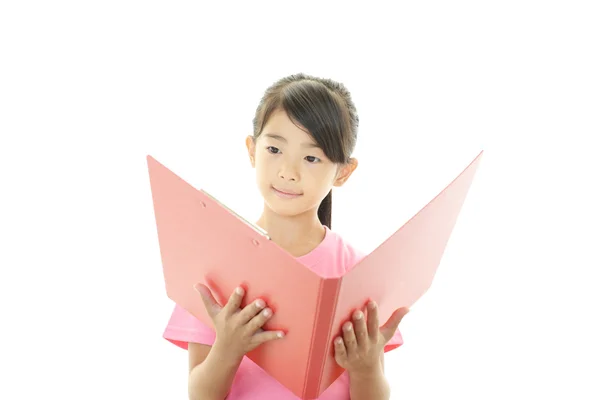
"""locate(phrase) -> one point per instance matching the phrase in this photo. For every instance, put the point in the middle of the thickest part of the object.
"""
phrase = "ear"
(251, 146)
(345, 171)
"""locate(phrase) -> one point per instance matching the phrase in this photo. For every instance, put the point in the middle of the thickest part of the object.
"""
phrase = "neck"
(297, 234)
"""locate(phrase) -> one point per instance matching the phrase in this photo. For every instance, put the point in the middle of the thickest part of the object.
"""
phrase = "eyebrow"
(284, 140)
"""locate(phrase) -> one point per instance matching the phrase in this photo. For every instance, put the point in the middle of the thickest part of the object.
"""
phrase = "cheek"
(319, 182)
(323, 177)
(263, 163)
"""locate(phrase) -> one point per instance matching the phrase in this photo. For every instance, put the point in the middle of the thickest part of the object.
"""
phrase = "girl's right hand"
(238, 330)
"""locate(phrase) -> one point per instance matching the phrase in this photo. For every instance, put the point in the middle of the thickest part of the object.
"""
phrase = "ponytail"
(324, 212)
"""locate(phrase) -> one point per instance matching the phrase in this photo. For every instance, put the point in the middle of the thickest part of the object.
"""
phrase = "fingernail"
(280, 335)
(358, 315)
(267, 313)
(239, 290)
(338, 341)
(348, 327)
(259, 303)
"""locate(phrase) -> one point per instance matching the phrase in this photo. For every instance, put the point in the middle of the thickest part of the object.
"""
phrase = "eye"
(312, 159)
(272, 149)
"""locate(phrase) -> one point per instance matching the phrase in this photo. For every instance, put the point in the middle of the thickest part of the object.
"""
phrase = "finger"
(259, 320)
(250, 311)
(340, 351)
(349, 338)
(265, 336)
(392, 323)
(210, 304)
(234, 302)
(373, 320)
(360, 329)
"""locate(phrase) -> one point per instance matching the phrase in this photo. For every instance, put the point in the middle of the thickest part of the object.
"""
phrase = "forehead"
(281, 127)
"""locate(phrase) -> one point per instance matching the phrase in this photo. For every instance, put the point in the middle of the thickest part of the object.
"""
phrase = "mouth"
(286, 194)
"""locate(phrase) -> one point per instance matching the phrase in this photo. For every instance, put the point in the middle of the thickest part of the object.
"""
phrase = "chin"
(286, 208)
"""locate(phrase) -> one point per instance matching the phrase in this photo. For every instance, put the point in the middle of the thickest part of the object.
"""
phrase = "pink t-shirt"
(331, 258)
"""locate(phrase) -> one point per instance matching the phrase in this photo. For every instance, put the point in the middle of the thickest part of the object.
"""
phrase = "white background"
(87, 89)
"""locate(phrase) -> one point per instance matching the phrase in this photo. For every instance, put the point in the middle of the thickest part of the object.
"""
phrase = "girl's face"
(293, 173)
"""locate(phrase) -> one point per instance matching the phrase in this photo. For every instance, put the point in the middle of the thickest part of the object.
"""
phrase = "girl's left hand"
(359, 348)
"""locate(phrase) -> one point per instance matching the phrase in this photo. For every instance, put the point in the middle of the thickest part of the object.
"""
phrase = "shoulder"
(334, 256)
(347, 252)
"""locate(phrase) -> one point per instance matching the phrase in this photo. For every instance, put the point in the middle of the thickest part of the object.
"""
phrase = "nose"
(288, 172)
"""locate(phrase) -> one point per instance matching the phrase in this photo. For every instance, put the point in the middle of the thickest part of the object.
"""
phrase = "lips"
(285, 192)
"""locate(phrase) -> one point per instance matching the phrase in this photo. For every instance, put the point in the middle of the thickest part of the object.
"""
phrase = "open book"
(202, 241)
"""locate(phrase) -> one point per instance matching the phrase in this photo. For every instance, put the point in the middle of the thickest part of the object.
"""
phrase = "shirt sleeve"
(395, 342)
(184, 328)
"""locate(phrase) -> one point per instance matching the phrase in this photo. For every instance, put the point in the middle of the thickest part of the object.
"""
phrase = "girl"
(305, 130)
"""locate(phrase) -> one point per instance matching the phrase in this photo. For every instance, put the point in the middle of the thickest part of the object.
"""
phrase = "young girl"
(305, 130)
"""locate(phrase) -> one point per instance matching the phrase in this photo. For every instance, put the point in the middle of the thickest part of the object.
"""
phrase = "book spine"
(326, 305)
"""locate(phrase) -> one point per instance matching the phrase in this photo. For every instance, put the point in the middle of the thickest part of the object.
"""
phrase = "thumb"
(211, 305)
(390, 327)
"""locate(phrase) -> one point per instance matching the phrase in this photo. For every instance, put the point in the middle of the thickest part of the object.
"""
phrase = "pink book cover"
(203, 241)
